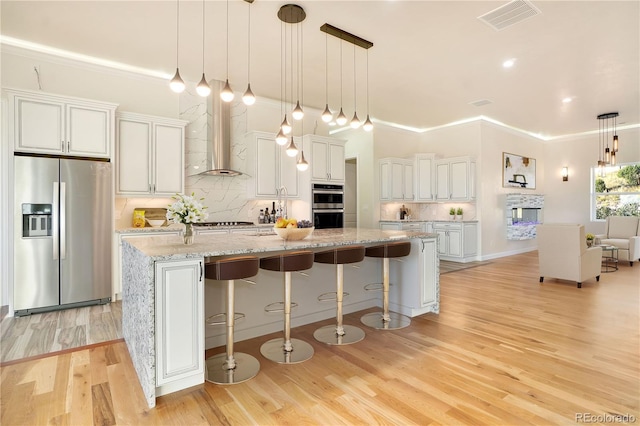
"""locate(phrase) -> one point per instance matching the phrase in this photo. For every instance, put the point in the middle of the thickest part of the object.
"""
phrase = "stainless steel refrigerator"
(63, 233)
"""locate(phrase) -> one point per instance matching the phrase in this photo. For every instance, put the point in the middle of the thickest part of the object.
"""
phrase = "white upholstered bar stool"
(231, 367)
(387, 320)
(285, 350)
(339, 334)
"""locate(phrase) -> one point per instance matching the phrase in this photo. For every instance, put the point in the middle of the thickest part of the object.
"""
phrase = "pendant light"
(368, 125)
(355, 122)
(297, 112)
(327, 115)
(289, 14)
(177, 84)
(227, 93)
(603, 134)
(292, 149)
(302, 163)
(615, 134)
(249, 98)
(341, 119)
(203, 88)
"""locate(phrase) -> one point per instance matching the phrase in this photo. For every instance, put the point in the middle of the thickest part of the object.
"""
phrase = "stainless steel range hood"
(218, 161)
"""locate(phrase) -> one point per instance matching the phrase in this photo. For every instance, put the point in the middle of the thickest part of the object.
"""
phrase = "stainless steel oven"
(327, 206)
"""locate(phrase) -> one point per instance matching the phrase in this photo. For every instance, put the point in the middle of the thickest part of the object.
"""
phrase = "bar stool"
(229, 368)
(339, 334)
(386, 320)
(287, 350)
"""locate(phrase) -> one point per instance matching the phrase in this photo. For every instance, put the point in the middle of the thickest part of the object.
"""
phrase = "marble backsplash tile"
(426, 211)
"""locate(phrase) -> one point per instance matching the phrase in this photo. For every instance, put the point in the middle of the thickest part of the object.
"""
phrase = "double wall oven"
(327, 207)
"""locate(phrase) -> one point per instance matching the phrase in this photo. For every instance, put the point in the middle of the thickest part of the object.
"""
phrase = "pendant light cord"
(177, 31)
(282, 68)
(340, 74)
(355, 97)
(203, 30)
(367, 82)
(249, 47)
(326, 69)
(227, 39)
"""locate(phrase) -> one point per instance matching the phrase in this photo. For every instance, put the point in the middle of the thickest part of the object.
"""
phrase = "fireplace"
(523, 213)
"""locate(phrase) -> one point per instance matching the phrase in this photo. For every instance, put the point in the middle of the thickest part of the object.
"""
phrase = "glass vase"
(188, 233)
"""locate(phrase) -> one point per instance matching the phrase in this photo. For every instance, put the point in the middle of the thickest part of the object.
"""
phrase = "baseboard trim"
(508, 253)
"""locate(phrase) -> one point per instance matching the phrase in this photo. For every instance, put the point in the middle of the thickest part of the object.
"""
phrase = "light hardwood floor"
(505, 350)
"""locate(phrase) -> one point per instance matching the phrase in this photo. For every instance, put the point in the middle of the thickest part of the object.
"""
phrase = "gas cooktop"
(228, 223)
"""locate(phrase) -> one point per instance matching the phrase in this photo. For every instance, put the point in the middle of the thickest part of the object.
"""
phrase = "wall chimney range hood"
(218, 160)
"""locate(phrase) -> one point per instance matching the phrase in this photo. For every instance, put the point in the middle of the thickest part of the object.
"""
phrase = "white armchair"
(623, 232)
(563, 253)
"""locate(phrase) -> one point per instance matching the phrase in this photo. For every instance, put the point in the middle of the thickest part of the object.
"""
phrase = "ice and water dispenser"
(36, 220)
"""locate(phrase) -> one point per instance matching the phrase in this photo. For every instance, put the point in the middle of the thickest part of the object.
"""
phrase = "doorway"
(351, 193)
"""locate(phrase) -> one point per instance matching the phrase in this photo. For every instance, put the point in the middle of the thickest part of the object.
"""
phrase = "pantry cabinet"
(150, 155)
(396, 179)
(457, 241)
(327, 159)
(455, 179)
(51, 124)
(271, 167)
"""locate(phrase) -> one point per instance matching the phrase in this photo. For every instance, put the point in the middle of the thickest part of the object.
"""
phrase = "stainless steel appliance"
(327, 207)
(63, 232)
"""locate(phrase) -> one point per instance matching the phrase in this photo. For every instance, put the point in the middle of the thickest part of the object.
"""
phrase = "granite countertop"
(426, 220)
(171, 247)
(178, 227)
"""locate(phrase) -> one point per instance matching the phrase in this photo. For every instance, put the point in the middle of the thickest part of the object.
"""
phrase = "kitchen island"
(165, 303)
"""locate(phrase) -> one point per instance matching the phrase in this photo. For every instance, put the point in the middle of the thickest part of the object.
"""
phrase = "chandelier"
(607, 155)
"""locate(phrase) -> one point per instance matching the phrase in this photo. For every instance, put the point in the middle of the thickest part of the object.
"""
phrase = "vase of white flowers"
(187, 210)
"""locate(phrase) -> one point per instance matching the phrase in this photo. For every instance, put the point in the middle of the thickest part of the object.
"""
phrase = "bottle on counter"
(273, 212)
(403, 213)
(261, 216)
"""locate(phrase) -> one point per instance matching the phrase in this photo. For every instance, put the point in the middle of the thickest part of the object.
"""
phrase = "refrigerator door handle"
(55, 220)
(63, 220)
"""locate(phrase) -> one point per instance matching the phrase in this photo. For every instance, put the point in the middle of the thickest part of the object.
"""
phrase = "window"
(615, 191)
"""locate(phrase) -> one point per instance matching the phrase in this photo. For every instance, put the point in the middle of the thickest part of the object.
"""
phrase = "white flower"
(186, 209)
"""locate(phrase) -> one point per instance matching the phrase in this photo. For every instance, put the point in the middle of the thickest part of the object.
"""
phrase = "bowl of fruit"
(292, 229)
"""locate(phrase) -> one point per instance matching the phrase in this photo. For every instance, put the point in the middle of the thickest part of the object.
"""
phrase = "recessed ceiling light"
(567, 100)
(508, 63)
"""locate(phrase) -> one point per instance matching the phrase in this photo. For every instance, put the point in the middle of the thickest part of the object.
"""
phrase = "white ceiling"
(430, 59)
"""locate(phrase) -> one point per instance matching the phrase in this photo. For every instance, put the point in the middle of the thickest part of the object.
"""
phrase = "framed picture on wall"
(518, 171)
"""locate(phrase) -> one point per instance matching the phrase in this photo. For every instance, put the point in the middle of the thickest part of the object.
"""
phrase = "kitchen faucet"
(286, 197)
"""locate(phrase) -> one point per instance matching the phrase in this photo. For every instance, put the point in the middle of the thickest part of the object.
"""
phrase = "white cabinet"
(179, 324)
(396, 179)
(455, 179)
(51, 124)
(150, 155)
(457, 241)
(409, 299)
(327, 159)
(424, 177)
(271, 167)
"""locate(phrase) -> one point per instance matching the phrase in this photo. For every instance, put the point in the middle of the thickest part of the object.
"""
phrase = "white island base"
(166, 298)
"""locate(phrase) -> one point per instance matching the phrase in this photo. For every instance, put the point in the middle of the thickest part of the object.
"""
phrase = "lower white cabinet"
(405, 296)
(179, 324)
(400, 226)
(457, 242)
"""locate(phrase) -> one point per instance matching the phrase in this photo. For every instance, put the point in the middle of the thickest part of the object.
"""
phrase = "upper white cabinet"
(327, 159)
(424, 177)
(455, 179)
(271, 167)
(150, 155)
(52, 124)
(396, 179)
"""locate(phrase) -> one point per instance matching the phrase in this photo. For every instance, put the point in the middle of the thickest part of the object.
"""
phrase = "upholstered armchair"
(563, 253)
(623, 232)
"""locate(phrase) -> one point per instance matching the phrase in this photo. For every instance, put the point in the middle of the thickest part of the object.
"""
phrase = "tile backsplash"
(426, 211)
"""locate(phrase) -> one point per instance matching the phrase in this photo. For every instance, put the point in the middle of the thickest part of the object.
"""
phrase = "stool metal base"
(274, 350)
(396, 321)
(328, 335)
(247, 367)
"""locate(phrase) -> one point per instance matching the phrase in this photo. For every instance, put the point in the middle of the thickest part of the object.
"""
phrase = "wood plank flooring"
(505, 350)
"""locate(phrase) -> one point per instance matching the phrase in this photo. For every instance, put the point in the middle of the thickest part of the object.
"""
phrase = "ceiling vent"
(480, 102)
(509, 14)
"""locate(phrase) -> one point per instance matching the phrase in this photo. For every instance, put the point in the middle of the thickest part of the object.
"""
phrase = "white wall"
(360, 146)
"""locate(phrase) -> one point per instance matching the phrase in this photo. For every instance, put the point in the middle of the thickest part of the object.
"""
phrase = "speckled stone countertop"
(179, 227)
(172, 246)
(422, 220)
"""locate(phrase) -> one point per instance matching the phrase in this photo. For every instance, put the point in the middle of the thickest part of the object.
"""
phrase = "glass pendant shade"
(203, 88)
(297, 112)
(177, 84)
(327, 115)
(292, 149)
(227, 94)
(368, 125)
(355, 121)
(341, 119)
(613, 158)
(607, 155)
(248, 98)
(615, 143)
(285, 126)
(281, 138)
(302, 164)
